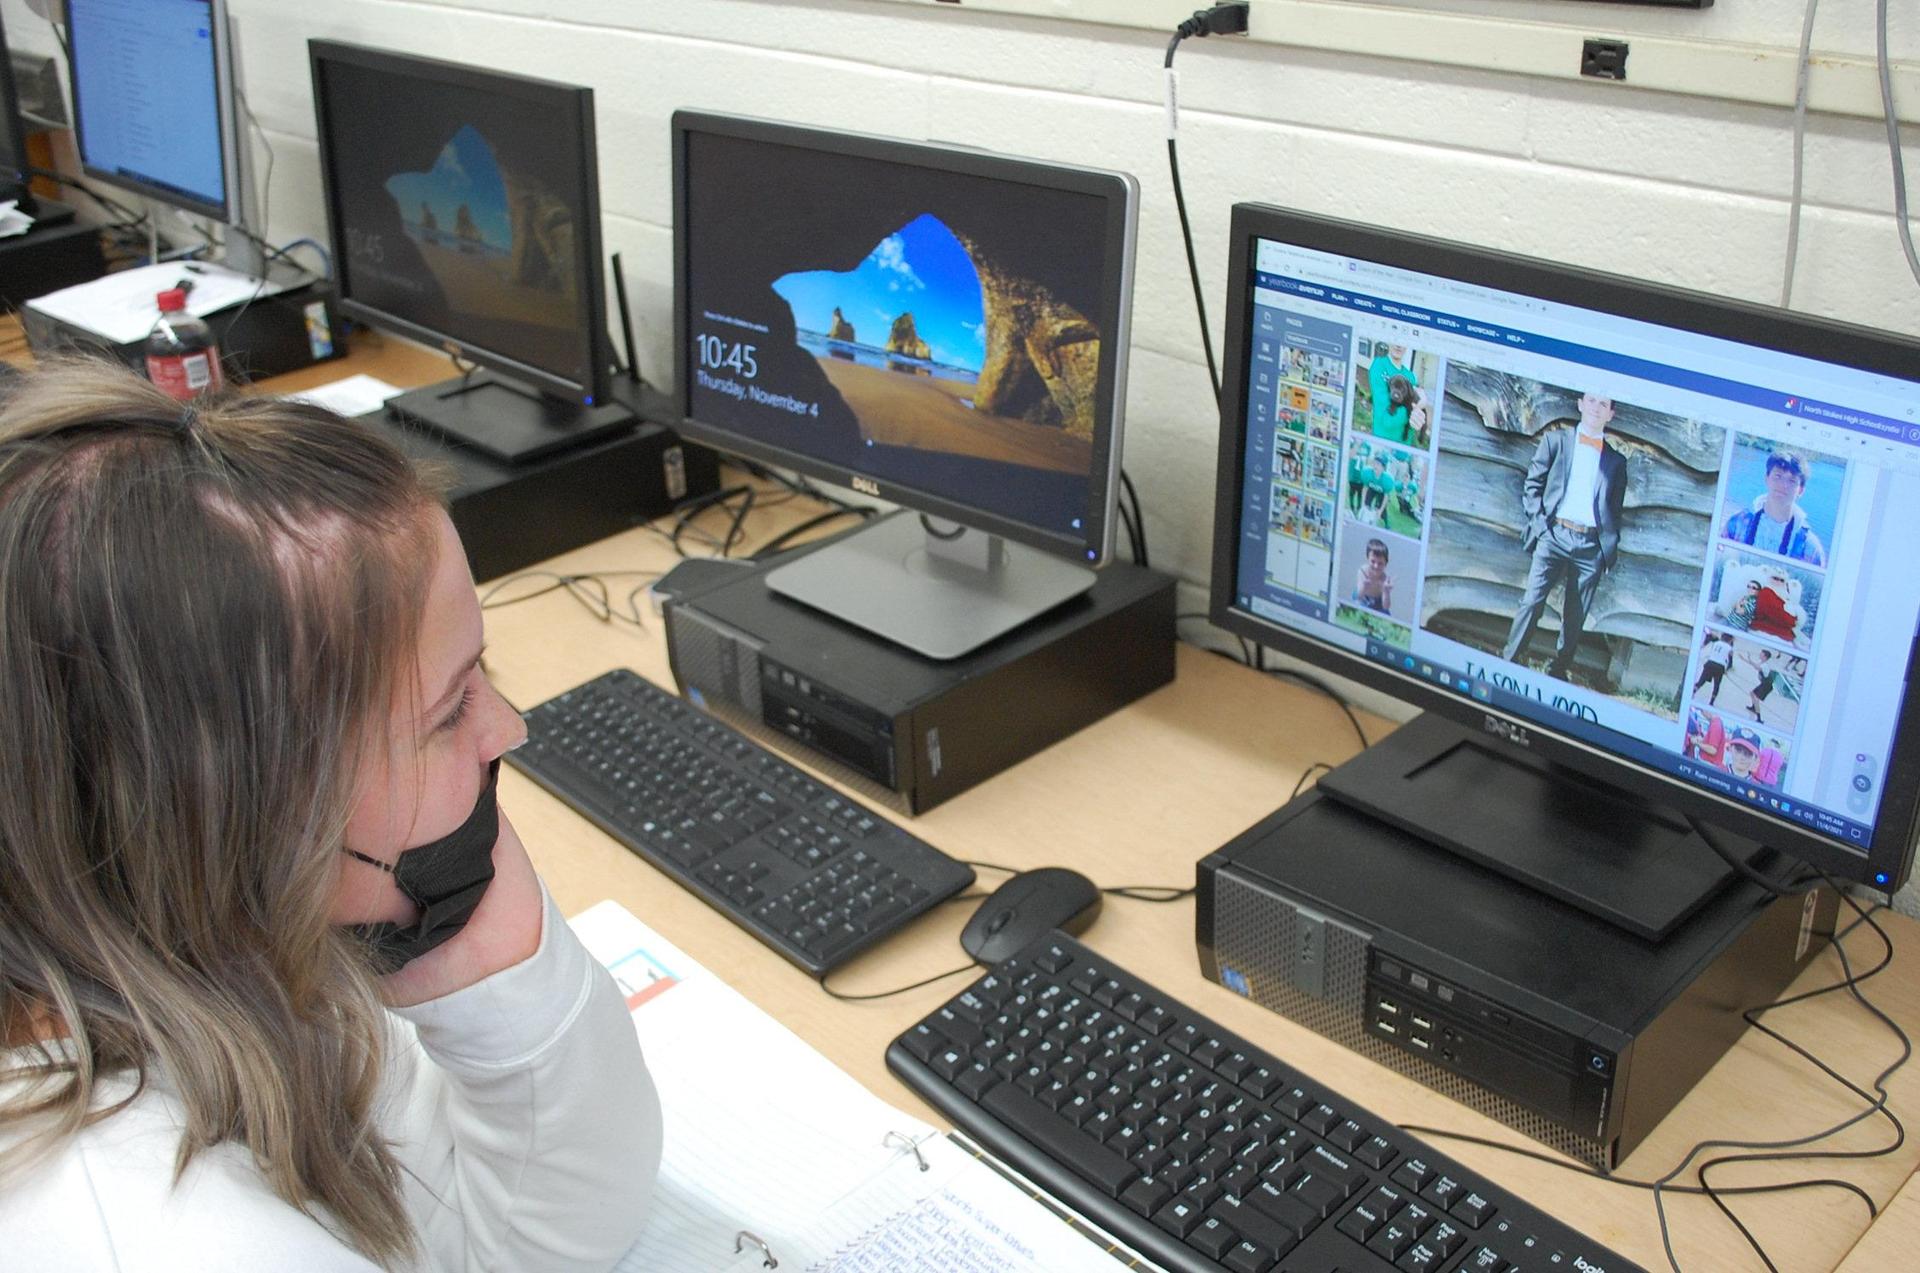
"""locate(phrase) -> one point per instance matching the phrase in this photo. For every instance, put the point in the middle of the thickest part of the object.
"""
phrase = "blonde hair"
(204, 615)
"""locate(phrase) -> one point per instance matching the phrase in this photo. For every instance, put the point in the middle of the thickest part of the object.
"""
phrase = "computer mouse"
(1027, 906)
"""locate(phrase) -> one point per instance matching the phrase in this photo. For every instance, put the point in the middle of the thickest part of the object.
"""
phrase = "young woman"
(279, 988)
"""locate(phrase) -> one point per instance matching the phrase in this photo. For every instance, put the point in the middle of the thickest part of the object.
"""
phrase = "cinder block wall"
(1683, 190)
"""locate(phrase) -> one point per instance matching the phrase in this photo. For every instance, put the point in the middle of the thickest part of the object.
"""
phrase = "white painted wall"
(1677, 189)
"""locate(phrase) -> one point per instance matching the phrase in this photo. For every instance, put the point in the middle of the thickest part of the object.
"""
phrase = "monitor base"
(505, 420)
(936, 593)
(1634, 863)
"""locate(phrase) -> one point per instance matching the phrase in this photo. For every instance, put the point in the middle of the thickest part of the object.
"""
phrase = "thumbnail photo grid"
(1306, 469)
(1775, 531)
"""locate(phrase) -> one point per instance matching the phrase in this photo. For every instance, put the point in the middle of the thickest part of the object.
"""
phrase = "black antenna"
(626, 319)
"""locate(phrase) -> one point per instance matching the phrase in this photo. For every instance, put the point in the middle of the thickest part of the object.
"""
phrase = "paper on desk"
(355, 395)
(12, 220)
(766, 1135)
(120, 307)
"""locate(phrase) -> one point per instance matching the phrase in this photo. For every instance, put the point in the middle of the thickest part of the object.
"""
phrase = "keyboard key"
(1413, 1173)
(1391, 1242)
(1376, 1153)
(1212, 1238)
(1106, 1169)
(1179, 1217)
(1147, 1195)
(1421, 1257)
(1249, 1257)
(1255, 1225)
(1472, 1208)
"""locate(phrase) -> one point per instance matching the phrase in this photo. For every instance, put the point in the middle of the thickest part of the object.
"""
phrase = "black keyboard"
(806, 870)
(1196, 1148)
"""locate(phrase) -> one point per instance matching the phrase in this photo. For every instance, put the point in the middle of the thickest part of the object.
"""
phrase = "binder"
(777, 1159)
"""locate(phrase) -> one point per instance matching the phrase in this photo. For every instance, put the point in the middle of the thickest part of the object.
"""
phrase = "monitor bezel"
(1094, 547)
(13, 131)
(575, 100)
(1890, 851)
(228, 209)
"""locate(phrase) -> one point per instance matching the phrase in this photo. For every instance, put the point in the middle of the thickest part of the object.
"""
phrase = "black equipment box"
(511, 516)
(910, 731)
(1528, 1009)
(267, 336)
(55, 253)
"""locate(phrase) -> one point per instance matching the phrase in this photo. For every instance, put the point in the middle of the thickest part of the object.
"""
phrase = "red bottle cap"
(174, 298)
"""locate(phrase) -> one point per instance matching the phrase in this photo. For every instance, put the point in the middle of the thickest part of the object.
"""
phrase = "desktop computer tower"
(1527, 1009)
(511, 516)
(905, 730)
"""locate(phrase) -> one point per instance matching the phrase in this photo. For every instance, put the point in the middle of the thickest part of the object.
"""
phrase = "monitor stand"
(1631, 862)
(504, 419)
(938, 592)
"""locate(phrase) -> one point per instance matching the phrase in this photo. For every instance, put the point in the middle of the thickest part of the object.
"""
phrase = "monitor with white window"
(1635, 550)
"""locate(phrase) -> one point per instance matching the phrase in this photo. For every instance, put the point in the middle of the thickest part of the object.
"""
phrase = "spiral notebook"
(777, 1158)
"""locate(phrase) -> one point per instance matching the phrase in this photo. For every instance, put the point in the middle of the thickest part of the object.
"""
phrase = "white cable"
(1799, 152)
(1893, 142)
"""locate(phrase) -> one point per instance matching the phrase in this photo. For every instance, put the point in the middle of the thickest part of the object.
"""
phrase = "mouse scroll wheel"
(999, 921)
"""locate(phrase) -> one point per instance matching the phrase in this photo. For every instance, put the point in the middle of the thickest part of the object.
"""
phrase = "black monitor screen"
(463, 208)
(147, 97)
(1687, 543)
(13, 141)
(949, 335)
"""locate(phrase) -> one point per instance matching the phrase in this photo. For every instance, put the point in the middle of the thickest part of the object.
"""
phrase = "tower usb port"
(1422, 1022)
(1388, 1027)
(1420, 1043)
(1389, 1007)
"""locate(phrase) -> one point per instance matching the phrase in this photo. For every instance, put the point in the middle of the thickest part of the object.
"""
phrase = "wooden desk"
(1137, 799)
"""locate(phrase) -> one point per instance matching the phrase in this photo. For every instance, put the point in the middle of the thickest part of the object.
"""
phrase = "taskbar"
(1846, 831)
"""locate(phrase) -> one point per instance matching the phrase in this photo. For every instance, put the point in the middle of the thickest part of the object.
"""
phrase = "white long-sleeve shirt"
(521, 1112)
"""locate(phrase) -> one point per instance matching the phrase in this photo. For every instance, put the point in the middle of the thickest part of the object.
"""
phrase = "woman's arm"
(523, 1109)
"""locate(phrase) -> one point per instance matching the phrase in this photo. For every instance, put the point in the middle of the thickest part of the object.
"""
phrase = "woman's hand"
(504, 930)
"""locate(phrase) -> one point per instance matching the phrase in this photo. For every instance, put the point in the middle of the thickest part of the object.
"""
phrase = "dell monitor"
(153, 100)
(1644, 556)
(463, 206)
(937, 326)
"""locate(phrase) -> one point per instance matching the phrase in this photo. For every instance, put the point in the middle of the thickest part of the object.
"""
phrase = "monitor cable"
(589, 588)
(1137, 523)
(1220, 19)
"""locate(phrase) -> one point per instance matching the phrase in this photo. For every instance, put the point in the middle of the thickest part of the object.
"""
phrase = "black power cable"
(1220, 19)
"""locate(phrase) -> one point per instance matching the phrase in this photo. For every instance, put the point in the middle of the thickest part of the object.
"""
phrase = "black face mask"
(445, 878)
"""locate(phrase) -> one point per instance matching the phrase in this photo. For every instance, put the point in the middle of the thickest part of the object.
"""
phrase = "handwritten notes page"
(765, 1137)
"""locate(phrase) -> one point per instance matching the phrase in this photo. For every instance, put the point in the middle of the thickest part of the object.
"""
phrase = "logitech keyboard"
(809, 872)
(1196, 1148)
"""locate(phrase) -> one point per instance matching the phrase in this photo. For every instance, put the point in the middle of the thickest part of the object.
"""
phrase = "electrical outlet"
(1604, 59)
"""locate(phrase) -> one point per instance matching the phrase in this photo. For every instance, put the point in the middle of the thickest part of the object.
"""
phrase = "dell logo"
(1515, 734)
(866, 485)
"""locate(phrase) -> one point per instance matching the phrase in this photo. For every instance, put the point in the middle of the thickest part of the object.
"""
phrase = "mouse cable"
(1135, 892)
(925, 981)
